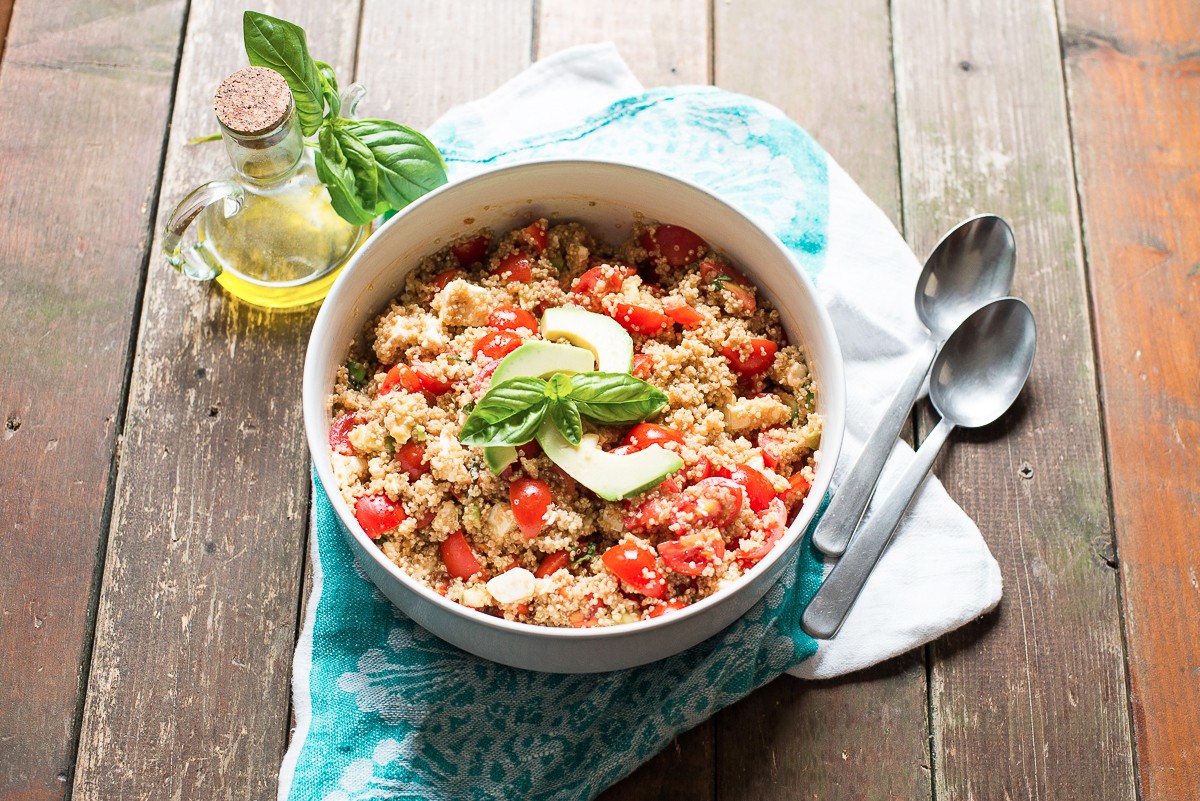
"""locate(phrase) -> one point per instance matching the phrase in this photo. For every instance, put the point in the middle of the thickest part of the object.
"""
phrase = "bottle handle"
(196, 261)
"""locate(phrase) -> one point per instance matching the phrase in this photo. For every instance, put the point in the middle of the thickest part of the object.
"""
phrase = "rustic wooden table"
(155, 482)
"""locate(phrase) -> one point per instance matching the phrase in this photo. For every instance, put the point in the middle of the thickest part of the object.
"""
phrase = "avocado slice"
(603, 336)
(537, 360)
(612, 476)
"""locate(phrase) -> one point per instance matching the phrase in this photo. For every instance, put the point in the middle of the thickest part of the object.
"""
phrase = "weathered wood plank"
(1029, 703)
(86, 93)
(664, 42)
(6, 7)
(863, 737)
(668, 45)
(188, 693)
(1133, 70)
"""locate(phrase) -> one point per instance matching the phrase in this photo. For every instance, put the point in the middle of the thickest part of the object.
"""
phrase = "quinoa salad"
(638, 428)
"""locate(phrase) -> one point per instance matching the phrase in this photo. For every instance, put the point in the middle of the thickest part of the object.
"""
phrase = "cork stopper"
(252, 101)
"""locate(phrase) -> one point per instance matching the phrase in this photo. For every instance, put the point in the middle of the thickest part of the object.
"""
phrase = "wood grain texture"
(664, 42)
(188, 692)
(1133, 71)
(73, 83)
(6, 7)
(668, 45)
(866, 736)
(1030, 702)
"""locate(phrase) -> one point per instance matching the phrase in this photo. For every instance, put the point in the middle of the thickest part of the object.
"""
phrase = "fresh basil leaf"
(558, 386)
(615, 397)
(565, 416)
(509, 414)
(408, 164)
(329, 89)
(334, 170)
(283, 47)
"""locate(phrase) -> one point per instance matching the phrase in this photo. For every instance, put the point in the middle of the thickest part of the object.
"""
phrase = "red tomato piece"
(639, 319)
(446, 276)
(643, 435)
(770, 444)
(483, 378)
(552, 563)
(642, 365)
(429, 382)
(699, 470)
(599, 281)
(510, 318)
(635, 563)
(711, 503)
(682, 313)
(470, 252)
(759, 491)
(771, 523)
(339, 434)
(651, 515)
(378, 514)
(753, 358)
(535, 234)
(669, 606)
(721, 276)
(424, 520)
(401, 375)
(692, 554)
(496, 344)
(514, 267)
(530, 450)
(743, 297)
(411, 458)
(674, 243)
(530, 499)
(458, 557)
(797, 491)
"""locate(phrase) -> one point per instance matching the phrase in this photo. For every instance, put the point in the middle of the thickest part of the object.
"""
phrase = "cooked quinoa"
(740, 413)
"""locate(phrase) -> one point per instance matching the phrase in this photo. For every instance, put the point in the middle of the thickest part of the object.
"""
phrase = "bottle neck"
(267, 157)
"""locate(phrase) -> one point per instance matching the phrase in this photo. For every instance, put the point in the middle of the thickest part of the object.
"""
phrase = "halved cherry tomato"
(598, 281)
(643, 435)
(401, 375)
(510, 318)
(682, 313)
(457, 556)
(411, 458)
(496, 344)
(339, 434)
(470, 252)
(669, 606)
(552, 563)
(677, 245)
(759, 490)
(378, 514)
(770, 445)
(530, 499)
(719, 276)
(651, 515)
(798, 487)
(634, 562)
(530, 450)
(430, 382)
(700, 469)
(639, 319)
(446, 276)
(771, 523)
(711, 503)
(514, 267)
(753, 358)
(692, 554)
(742, 297)
(535, 233)
(642, 365)
(483, 378)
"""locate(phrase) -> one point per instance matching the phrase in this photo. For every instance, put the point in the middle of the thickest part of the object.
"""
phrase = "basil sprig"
(369, 166)
(512, 411)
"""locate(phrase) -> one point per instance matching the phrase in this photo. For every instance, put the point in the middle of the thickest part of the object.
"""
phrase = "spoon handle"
(852, 497)
(833, 600)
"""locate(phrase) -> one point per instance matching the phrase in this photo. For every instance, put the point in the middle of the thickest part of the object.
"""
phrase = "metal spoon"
(976, 377)
(973, 264)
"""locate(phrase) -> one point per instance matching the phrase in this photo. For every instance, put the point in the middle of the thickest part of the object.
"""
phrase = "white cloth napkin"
(938, 573)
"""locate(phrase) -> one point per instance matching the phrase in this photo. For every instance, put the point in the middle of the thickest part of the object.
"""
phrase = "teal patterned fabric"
(386, 710)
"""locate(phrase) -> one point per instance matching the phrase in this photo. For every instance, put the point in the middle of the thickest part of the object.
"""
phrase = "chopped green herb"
(720, 281)
(557, 263)
(473, 469)
(357, 373)
(454, 357)
(581, 555)
(389, 444)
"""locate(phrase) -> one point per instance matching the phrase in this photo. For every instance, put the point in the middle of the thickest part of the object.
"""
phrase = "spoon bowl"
(971, 265)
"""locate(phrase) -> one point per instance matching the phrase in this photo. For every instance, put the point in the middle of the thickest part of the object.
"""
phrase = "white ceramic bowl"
(606, 197)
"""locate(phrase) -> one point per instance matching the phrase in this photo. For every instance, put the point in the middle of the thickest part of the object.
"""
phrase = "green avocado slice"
(612, 476)
(603, 336)
(537, 360)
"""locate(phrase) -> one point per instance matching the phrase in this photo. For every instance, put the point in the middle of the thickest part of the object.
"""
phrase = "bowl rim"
(316, 430)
